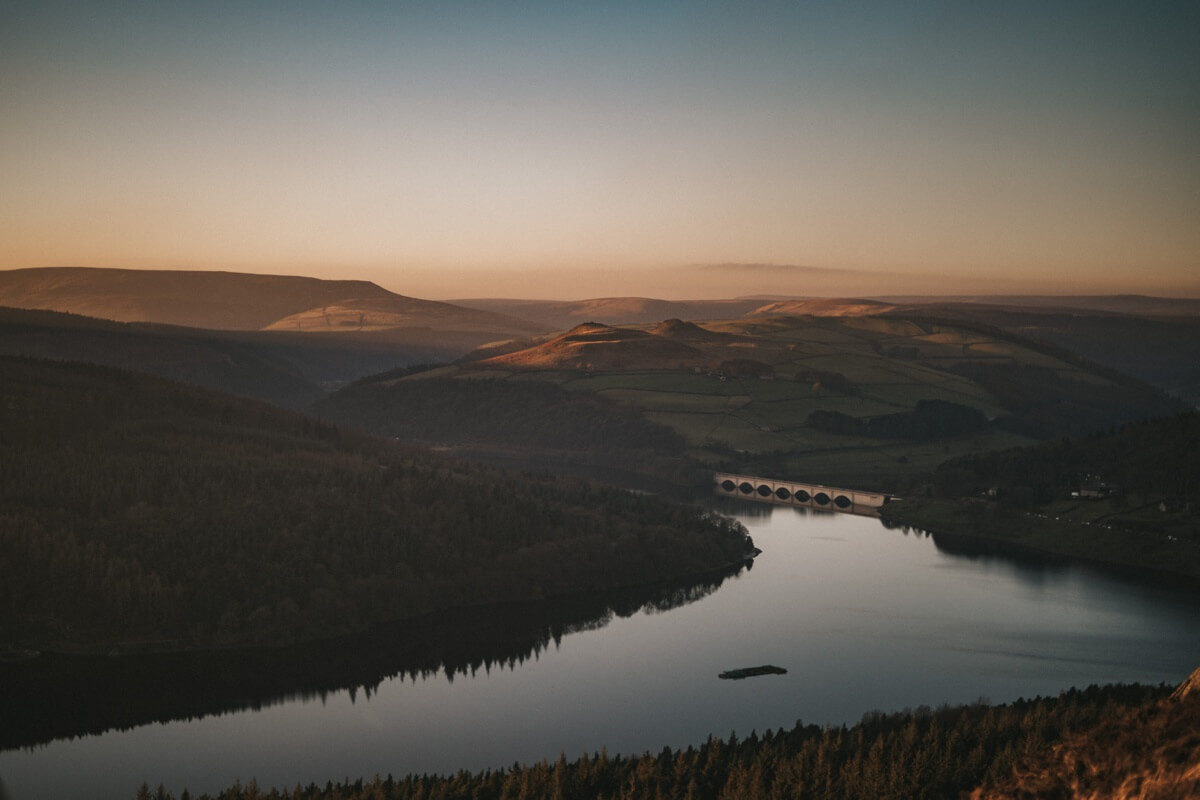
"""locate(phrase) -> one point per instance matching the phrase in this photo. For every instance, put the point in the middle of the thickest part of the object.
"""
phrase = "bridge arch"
(793, 493)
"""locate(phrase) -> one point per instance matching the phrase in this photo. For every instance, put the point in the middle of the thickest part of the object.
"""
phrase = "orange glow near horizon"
(556, 153)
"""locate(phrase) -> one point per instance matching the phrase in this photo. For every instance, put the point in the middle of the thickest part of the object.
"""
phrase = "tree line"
(1158, 458)
(520, 416)
(143, 512)
(921, 753)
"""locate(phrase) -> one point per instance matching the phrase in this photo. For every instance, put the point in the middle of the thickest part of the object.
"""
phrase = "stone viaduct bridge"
(791, 493)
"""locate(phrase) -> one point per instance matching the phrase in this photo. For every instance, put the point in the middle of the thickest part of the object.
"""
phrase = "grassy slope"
(860, 366)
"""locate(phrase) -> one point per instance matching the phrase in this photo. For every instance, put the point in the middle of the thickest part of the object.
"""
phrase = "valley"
(599, 401)
(371, 490)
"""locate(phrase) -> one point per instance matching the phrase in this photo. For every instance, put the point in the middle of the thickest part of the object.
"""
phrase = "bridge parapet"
(794, 493)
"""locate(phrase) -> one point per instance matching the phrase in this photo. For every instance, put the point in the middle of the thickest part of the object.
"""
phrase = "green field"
(862, 367)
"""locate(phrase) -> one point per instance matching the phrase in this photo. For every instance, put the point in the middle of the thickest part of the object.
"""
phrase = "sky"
(568, 150)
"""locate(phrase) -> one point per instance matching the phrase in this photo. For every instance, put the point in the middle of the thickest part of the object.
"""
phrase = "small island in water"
(751, 672)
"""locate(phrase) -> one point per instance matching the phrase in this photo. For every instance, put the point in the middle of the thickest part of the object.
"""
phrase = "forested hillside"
(1129, 496)
(140, 512)
(525, 418)
(1155, 460)
(57, 696)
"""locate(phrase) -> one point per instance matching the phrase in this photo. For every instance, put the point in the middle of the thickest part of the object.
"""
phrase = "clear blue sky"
(564, 149)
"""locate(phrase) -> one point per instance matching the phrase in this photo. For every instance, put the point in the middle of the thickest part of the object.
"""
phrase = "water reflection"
(1035, 567)
(756, 506)
(861, 617)
(57, 696)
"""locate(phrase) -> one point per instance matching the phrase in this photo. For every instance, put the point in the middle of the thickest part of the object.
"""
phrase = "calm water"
(862, 617)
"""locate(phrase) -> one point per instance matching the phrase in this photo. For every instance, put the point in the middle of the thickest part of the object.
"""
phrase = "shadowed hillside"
(1154, 339)
(287, 369)
(643, 310)
(146, 514)
(515, 422)
(1132, 304)
(1159, 349)
(870, 401)
(1128, 497)
(561, 315)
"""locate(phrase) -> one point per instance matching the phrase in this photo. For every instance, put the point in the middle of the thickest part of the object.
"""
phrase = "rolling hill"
(287, 369)
(1154, 339)
(562, 315)
(240, 301)
(644, 310)
(286, 340)
(594, 346)
(1161, 349)
(869, 400)
(1128, 304)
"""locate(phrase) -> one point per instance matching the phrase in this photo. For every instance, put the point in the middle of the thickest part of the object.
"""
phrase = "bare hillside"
(240, 301)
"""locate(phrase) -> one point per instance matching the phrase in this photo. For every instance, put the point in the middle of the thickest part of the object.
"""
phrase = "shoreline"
(32, 648)
(962, 526)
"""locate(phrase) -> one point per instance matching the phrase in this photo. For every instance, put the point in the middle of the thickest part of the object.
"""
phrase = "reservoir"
(860, 616)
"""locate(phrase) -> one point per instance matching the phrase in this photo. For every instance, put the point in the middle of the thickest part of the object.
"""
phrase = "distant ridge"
(564, 314)
(240, 301)
(1136, 304)
(287, 369)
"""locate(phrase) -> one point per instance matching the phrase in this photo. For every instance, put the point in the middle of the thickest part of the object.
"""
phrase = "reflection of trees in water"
(684, 595)
(1025, 563)
(731, 506)
(56, 696)
(1039, 568)
(754, 506)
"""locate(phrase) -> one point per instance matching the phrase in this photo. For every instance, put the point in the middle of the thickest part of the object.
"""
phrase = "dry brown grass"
(1141, 754)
